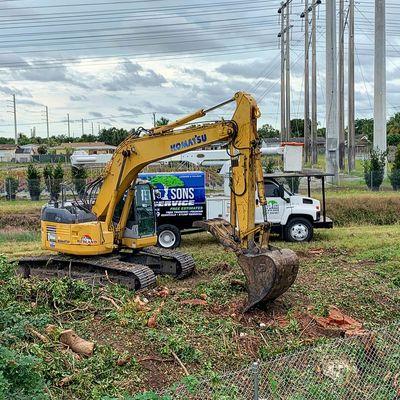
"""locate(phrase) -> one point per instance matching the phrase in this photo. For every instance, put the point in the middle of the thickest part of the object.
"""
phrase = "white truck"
(293, 216)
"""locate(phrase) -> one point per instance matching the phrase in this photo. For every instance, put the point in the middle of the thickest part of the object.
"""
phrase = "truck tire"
(168, 236)
(299, 230)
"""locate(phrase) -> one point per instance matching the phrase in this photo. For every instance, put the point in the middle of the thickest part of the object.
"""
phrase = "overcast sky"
(116, 63)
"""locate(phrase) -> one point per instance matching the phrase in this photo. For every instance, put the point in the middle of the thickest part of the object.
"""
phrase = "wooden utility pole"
(332, 126)
(15, 119)
(342, 145)
(283, 90)
(380, 141)
(351, 129)
(305, 15)
(314, 109)
(47, 122)
(287, 78)
(69, 126)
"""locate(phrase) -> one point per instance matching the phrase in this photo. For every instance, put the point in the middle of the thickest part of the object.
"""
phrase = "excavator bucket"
(269, 272)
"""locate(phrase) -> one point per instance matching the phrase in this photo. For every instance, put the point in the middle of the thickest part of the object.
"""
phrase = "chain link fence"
(358, 367)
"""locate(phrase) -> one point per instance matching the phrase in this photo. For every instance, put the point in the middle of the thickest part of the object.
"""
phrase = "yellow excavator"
(109, 234)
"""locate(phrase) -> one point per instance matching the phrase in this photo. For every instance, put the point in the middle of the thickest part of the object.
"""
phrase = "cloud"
(10, 91)
(130, 110)
(96, 114)
(132, 75)
(36, 73)
(199, 74)
(78, 98)
(29, 102)
(250, 70)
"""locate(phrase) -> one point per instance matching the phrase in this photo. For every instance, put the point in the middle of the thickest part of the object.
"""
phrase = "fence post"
(255, 371)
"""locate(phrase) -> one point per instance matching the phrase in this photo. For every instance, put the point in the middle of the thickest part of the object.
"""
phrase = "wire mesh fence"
(366, 366)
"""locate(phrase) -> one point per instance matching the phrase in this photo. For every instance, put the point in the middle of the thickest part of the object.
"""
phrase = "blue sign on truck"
(180, 199)
(178, 194)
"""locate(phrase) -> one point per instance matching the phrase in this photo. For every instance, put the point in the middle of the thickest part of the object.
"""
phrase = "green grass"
(355, 269)
(20, 206)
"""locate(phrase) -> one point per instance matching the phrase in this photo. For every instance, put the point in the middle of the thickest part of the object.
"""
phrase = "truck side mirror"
(281, 192)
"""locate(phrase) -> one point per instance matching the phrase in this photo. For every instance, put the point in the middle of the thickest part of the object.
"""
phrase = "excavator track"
(95, 270)
(164, 261)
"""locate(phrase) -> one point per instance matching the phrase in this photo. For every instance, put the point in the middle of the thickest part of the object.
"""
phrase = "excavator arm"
(269, 272)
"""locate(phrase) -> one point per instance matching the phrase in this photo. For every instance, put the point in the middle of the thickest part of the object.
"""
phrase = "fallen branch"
(154, 358)
(37, 334)
(112, 301)
(152, 321)
(180, 363)
(76, 343)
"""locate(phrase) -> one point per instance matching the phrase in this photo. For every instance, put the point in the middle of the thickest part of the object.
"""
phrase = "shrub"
(11, 187)
(53, 178)
(33, 176)
(293, 183)
(374, 169)
(79, 176)
(395, 175)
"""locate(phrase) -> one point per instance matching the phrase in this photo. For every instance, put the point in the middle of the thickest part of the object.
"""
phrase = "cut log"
(76, 343)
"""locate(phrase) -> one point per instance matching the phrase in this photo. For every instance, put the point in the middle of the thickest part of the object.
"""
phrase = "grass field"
(353, 268)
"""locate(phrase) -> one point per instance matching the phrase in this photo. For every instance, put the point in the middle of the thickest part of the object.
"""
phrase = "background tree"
(297, 126)
(42, 149)
(395, 173)
(267, 131)
(364, 127)
(162, 121)
(113, 136)
(374, 169)
(79, 176)
(33, 176)
(11, 187)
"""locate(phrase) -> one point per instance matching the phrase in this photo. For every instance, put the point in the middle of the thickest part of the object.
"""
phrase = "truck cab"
(293, 216)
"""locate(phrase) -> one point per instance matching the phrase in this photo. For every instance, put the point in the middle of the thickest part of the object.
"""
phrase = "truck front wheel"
(299, 230)
(168, 236)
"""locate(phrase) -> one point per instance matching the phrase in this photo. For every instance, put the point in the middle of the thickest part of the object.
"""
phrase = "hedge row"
(364, 209)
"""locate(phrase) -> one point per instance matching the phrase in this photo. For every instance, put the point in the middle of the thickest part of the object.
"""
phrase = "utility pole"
(154, 119)
(305, 15)
(380, 141)
(332, 131)
(69, 127)
(314, 109)
(83, 127)
(352, 129)
(281, 35)
(287, 79)
(46, 110)
(342, 145)
(92, 128)
(15, 119)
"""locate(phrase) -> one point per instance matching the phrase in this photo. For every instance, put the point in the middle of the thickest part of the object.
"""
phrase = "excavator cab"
(141, 221)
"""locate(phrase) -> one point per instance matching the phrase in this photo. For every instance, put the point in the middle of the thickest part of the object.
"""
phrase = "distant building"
(24, 154)
(7, 152)
(89, 148)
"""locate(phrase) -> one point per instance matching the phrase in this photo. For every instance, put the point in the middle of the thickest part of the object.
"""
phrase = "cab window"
(271, 189)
